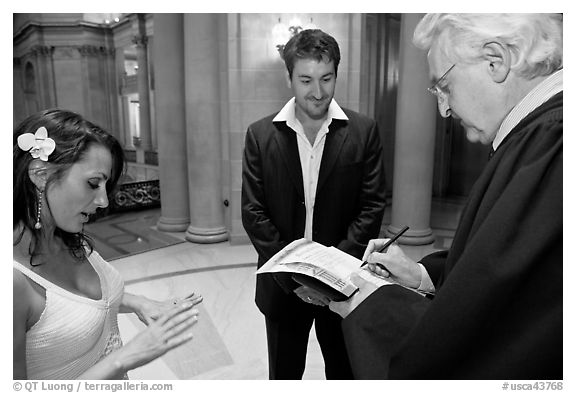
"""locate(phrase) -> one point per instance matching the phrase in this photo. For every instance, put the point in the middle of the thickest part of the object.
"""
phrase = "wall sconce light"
(281, 33)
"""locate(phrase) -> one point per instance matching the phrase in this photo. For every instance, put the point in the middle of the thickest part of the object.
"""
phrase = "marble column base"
(169, 224)
(206, 235)
(140, 155)
(412, 237)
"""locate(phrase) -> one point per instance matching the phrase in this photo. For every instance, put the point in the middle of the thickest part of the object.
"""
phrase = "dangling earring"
(38, 224)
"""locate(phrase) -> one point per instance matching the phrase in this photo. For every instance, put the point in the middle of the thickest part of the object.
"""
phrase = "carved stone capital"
(42, 50)
(88, 50)
(67, 52)
(91, 50)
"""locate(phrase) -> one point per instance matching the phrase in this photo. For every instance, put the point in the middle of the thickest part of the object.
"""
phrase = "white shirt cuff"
(426, 284)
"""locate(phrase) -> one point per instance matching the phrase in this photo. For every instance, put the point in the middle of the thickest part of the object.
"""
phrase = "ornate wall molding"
(92, 50)
(42, 50)
(67, 52)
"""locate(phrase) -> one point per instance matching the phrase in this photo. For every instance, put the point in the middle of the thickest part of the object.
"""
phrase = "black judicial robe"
(497, 313)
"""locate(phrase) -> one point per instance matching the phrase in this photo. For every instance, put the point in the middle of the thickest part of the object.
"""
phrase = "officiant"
(496, 306)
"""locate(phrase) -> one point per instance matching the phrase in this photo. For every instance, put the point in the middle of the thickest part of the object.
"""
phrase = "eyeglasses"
(435, 89)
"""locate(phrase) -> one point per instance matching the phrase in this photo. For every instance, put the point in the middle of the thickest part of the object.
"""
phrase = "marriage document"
(328, 265)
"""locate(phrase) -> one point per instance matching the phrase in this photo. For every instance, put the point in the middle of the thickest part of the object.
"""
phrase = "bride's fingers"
(173, 311)
(180, 324)
(178, 340)
(195, 299)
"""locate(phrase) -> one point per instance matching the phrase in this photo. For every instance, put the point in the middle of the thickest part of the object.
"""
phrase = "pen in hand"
(385, 246)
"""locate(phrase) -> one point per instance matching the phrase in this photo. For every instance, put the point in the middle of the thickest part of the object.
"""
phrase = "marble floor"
(229, 340)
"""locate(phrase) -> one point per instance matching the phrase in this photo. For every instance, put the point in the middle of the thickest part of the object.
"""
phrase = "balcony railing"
(136, 195)
(132, 196)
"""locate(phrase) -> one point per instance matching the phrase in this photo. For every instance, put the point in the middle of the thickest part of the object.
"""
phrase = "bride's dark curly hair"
(73, 136)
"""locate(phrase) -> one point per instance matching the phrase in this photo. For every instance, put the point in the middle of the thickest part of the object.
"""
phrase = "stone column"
(202, 89)
(414, 144)
(171, 121)
(141, 42)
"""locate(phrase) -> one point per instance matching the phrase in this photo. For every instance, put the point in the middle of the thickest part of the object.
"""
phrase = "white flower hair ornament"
(39, 145)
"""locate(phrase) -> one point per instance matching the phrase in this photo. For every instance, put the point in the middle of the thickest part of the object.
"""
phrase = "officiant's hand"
(399, 267)
(311, 296)
(365, 289)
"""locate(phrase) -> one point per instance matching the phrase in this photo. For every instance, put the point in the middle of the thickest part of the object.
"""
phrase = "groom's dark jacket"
(349, 205)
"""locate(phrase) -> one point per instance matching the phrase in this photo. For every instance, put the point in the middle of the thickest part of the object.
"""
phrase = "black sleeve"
(367, 223)
(434, 264)
(376, 328)
(260, 229)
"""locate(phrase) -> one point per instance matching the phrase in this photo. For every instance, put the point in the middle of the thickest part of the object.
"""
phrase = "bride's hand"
(167, 332)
